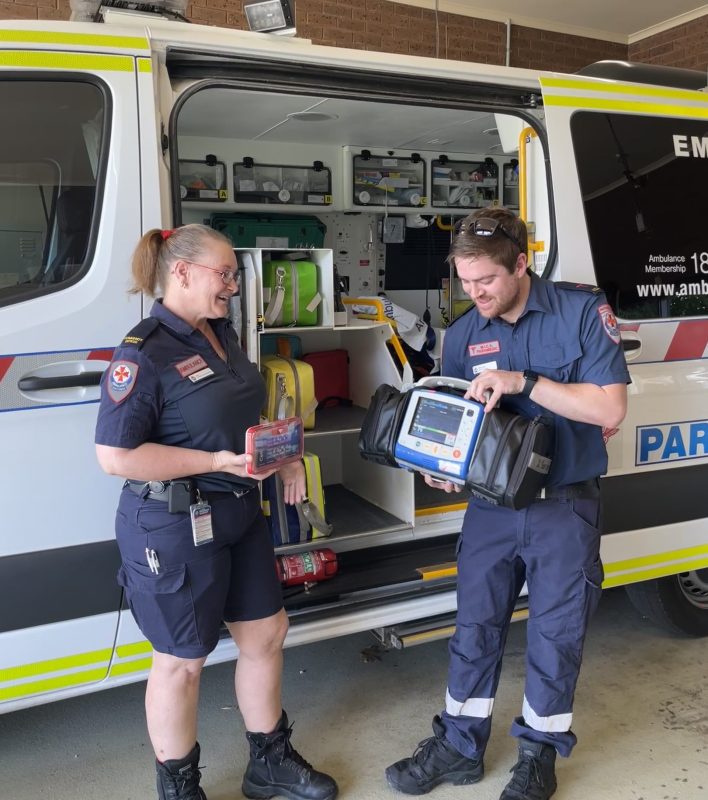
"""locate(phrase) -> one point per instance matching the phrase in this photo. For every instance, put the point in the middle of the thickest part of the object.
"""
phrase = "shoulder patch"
(120, 380)
(609, 322)
(578, 287)
(137, 336)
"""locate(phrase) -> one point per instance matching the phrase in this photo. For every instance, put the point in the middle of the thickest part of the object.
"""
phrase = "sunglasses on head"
(485, 227)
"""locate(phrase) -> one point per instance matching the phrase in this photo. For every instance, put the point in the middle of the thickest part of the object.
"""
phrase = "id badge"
(201, 523)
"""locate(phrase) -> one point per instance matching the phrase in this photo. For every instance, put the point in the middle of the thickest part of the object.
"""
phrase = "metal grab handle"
(526, 134)
(35, 384)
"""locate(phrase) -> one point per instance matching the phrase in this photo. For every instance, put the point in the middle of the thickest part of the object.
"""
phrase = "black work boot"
(434, 761)
(178, 779)
(534, 775)
(276, 768)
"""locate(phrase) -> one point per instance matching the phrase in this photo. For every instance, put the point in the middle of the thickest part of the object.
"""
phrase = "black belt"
(162, 490)
(585, 490)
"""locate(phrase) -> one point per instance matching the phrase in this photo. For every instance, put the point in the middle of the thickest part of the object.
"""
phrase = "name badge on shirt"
(195, 368)
(203, 373)
(481, 367)
(483, 348)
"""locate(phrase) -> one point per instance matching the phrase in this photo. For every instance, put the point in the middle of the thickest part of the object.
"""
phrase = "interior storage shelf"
(201, 181)
(339, 419)
(364, 502)
(281, 184)
(352, 517)
(511, 184)
(464, 184)
(385, 180)
(351, 514)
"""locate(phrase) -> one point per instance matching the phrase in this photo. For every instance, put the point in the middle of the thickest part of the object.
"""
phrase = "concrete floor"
(641, 720)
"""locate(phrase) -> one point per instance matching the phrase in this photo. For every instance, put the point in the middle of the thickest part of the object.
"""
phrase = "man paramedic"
(533, 347)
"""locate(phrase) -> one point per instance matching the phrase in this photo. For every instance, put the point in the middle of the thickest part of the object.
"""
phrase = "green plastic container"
(271, 232)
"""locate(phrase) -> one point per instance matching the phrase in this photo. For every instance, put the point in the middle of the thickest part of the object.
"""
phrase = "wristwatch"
(530, 378)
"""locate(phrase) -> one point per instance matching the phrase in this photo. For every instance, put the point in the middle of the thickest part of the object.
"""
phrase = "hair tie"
(166, 234)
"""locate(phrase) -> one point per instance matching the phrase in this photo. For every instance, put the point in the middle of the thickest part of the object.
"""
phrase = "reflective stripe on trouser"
(554, 546)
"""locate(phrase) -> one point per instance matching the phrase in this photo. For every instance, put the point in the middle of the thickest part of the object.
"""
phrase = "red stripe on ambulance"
(689, 341)
(5, 363)
(100, 355)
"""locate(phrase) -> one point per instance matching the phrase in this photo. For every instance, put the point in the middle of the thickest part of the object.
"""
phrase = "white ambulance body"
(97, 117)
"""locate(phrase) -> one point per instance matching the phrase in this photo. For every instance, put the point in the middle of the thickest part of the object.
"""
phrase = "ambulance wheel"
(678, 603)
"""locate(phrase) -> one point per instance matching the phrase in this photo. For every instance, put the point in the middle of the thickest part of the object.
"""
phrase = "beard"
(501, 304)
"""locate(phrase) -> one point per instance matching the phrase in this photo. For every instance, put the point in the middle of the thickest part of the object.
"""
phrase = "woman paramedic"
(195, 547)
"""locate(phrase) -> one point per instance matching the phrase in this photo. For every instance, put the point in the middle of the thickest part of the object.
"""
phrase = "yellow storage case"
(290, 389)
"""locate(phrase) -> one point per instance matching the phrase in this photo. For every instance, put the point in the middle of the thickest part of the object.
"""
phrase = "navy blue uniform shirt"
(167, 385)
(567, 333)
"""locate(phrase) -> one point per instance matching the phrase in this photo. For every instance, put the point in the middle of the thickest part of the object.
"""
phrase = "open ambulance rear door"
(69, 219)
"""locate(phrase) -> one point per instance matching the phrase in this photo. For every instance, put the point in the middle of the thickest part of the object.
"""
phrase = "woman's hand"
(236, 464)
(294, 482)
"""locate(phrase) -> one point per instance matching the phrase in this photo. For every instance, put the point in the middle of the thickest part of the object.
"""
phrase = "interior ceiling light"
(269, 16)
(311, 116)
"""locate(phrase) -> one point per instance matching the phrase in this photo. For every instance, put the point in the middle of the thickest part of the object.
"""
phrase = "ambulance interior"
(387, 181)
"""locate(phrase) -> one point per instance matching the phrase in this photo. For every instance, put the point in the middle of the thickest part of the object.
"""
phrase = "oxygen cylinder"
(308, 567)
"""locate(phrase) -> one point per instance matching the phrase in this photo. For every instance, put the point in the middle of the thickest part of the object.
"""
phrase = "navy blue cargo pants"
(553, 546)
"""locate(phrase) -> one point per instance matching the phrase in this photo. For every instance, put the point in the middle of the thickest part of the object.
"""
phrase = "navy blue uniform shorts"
(231, 579)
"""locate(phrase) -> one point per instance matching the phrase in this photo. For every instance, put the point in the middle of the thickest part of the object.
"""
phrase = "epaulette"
(459, 316)
(142, 331)
(578, 287)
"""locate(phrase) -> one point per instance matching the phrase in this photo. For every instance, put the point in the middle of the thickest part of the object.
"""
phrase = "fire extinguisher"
(308, 567)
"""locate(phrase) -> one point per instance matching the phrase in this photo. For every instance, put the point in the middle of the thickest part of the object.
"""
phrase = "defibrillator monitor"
(438, 434)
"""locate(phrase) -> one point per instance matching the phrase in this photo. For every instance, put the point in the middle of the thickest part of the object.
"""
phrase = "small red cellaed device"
(273, 444)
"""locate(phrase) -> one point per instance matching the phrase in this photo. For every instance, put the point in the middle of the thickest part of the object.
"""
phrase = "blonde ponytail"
(158, 250)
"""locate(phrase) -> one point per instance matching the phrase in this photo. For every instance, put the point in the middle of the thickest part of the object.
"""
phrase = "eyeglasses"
(486, 226)
(227, 275)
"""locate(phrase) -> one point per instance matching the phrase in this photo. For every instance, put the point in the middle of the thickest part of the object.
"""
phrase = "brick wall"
(537, 49)
(396, 28)
(683, 46)
(35, 9)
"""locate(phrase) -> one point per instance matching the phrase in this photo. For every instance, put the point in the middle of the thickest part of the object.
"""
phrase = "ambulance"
(361, 162)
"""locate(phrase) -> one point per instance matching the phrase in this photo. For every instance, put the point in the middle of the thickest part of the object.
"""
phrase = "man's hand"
(604, 406)
(490, 385)
(447, 486)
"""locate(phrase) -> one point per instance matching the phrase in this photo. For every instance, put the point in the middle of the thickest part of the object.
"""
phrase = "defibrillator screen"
(436, 421)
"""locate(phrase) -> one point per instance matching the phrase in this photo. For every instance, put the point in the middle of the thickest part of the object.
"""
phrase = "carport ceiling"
(617, 21)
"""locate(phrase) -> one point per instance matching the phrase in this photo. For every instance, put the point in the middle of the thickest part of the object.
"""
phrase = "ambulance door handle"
(64, 382)
(35, 384)
(631, 344)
